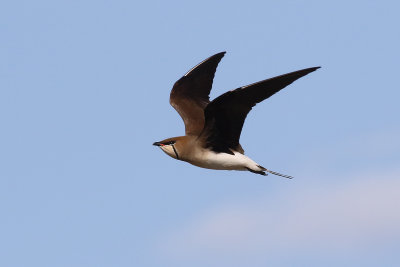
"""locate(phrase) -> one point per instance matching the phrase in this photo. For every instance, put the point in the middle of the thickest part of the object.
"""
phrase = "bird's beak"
(156, 144)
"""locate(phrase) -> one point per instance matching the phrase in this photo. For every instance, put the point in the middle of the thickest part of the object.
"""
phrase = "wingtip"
(308, 70)
(221, 54)
(214, 58)
(314, 68)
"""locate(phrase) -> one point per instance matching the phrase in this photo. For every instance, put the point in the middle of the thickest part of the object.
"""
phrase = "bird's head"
(170, 146)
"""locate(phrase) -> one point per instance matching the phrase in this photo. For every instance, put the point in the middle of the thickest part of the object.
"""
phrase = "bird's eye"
(169, 143)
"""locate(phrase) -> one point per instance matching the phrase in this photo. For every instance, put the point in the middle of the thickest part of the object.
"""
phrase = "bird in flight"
(212, 129)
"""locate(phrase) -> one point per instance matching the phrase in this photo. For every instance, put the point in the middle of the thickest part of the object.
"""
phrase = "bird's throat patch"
(176, 153)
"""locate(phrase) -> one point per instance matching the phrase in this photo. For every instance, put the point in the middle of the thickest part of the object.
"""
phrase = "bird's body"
(191, 150)
(213, 128)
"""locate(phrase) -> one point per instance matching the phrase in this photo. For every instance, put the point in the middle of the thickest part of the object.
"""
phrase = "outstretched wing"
(190, 94)
(225, 115)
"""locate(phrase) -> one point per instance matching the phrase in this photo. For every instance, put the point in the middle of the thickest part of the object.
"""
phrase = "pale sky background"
(84, 88)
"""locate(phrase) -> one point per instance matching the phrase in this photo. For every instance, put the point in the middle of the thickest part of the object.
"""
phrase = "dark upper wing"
(190, 94)
(225, 115)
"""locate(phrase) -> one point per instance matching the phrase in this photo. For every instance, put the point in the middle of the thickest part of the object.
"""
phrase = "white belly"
(224, 161)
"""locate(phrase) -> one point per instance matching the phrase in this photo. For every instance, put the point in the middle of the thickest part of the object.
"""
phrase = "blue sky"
(84, 93)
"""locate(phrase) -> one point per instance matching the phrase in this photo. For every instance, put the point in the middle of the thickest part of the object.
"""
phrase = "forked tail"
(275, 173)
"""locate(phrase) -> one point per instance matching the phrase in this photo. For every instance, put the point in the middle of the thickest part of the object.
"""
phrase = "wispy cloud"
(360, 214)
